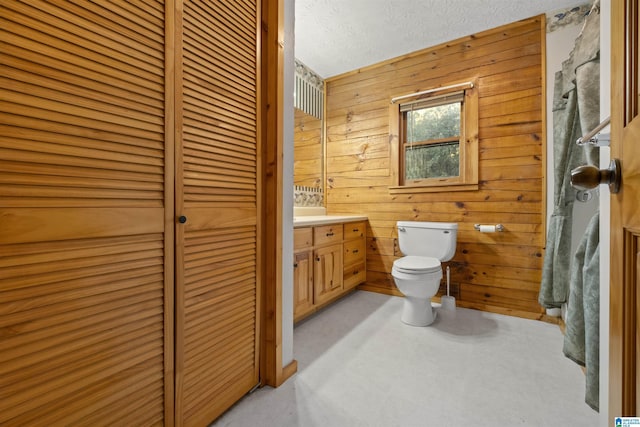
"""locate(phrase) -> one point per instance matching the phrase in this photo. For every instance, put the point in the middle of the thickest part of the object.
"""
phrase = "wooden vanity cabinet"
(329, 260)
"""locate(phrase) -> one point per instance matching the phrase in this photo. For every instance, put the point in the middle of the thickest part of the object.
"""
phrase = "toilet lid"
(418, 264)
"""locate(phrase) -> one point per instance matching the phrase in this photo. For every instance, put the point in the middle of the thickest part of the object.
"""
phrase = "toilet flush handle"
(402, 229)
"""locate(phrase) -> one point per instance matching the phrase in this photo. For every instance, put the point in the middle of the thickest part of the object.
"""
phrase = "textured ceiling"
(336, 36)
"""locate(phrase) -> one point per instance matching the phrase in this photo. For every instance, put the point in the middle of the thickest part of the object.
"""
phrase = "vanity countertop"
(311, 220)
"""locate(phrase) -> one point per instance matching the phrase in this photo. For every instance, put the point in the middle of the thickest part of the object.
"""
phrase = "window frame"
(468, 142)
(405, 144)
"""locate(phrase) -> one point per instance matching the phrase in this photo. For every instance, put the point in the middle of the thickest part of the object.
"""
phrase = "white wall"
(287, 185)
(605, 211)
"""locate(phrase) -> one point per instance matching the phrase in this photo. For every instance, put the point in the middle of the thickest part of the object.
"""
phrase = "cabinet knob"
(318, 259)
(329, 234)
(182, 219)
(295, 265)
(355, 251)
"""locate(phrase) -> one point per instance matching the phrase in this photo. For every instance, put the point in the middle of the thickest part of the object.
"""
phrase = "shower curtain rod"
(466, 85)
(589, 136)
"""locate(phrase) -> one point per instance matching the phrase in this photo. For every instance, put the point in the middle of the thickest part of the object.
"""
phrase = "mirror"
(308, 138)
(308, 159)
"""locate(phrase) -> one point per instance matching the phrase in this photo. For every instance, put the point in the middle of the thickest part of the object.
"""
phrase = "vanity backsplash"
(307, 196)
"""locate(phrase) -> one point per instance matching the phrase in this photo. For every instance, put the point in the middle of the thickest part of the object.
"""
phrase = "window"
(431, 139)
(436, 144)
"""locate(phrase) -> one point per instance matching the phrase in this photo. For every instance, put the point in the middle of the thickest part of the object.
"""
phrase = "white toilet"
(418, 273)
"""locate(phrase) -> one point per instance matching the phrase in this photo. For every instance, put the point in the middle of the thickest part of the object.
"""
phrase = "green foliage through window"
(432, 142)
(442, 121)
(433, 161)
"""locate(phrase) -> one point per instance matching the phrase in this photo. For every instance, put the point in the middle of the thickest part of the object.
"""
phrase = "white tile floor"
(358, 365)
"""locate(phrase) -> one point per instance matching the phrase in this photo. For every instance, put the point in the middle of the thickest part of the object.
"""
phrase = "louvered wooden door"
(217, 188)
(86, 254)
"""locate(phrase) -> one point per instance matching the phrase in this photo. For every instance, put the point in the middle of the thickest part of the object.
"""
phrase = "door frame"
(272, 371)
(623, 387)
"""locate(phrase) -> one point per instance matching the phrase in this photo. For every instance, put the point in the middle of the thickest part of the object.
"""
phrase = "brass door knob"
(589, 177)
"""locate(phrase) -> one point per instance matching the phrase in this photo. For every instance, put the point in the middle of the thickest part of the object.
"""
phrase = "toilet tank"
(429, 239)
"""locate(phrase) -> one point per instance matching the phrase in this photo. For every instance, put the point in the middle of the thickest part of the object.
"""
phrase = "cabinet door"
(327, 273)
(302, 284)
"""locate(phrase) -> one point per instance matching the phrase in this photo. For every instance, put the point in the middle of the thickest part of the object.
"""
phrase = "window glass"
(432, 141)
(442, 121)
(432, 161)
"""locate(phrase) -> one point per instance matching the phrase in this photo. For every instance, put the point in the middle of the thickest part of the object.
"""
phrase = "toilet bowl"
(418, 279)
(417, 275)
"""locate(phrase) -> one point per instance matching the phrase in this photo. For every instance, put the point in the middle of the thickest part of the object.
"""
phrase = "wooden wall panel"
(86, 253)
(307, 150)
(496, 272)
(218, 255)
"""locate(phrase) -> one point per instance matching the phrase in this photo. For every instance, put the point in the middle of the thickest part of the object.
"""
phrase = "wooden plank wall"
(497, 272)
(307, 149)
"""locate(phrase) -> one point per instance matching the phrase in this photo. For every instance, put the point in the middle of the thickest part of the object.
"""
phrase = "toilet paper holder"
(499, 227)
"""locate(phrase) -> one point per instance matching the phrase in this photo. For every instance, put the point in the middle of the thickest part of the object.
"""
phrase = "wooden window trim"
(468, 179)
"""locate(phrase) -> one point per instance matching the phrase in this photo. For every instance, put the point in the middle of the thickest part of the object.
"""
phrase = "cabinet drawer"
(327, 234)
(354, 251)
(354, 230)
(302, 238)
(353, 276)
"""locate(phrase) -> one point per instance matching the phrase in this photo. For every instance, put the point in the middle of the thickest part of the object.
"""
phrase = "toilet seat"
(417, 265)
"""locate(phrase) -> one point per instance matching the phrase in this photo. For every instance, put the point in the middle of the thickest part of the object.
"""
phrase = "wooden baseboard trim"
(476, 306)
(551, 319)
(379, 290)
(287, 372)
(562, 325)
